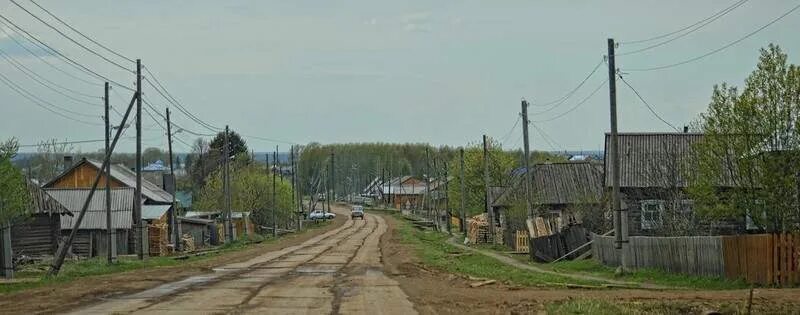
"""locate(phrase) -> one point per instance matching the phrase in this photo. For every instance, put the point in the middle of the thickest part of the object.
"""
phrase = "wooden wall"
(83, 177)
(37, 236)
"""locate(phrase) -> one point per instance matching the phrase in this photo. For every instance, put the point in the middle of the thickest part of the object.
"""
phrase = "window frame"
(654, 223)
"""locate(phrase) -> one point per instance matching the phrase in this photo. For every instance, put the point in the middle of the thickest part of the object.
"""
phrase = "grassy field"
(601, 307)
(434, 251)
(35, 275)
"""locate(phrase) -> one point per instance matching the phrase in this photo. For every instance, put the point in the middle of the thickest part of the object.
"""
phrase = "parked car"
(357, 212)
(320, 215)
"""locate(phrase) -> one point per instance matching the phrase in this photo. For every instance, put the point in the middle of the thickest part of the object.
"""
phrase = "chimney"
(685, 129)
(67, 161)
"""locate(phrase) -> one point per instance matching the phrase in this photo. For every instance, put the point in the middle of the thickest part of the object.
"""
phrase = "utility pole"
(173, 217)
(110, 231)
(427, 195)
(226, 187)
(274, 201)
(463, 226)
(383, 185)
(137, 202)
(333, 180)
(528, 176)
(620, 215)
(447, 200)
(489, 210)
(294, 191)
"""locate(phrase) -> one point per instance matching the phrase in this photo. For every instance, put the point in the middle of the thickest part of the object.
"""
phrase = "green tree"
(14, 197)
(750, 144)
(209, 155)
(251, 190)
(501, 163)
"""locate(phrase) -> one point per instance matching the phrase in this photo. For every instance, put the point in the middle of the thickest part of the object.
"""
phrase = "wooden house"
(90, 240)
(405, 192)
(37, 235)
(653, 183)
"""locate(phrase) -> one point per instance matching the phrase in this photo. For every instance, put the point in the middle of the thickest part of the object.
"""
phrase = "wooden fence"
(521, 242)
(762, 258)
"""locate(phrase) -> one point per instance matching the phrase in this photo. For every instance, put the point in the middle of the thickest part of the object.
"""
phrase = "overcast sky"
(443, 72)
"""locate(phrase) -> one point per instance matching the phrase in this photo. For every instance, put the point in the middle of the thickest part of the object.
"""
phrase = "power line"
(41, 103)
(171, 99)
(50, 84)
(13, 38)
(71, 39)
(68, 60)
(647, 104)
(508, 134)
(26, 92)
(549, 140)
(569, 94)
(84, 36)
(715, 15)
(576, 105)
(718, 49)
(741, 2)
(268, 139)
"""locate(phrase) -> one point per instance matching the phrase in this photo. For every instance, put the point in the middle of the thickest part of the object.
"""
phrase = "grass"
(434, 251)
(76, 269)
(602, 307)
(651, 276)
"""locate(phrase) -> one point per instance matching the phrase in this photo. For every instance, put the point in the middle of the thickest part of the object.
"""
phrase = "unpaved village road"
(336, 272)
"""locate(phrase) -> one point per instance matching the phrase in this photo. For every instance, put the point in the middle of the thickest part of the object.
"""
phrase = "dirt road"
(336, 272)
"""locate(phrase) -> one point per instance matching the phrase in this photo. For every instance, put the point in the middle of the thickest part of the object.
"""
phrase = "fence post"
(6, 261)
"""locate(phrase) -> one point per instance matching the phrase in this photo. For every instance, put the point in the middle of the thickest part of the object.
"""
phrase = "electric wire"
(171, 99)
(508, 134)
(71, 39)
(548, 139)
(713, 16)
(44, 101)
(576, 105)
(648, 105)
(68, 60)
(659, 44)
(38, 56)
(569, 94)
(82, 34)
(41, 103)
(49, 84)
(718, 49)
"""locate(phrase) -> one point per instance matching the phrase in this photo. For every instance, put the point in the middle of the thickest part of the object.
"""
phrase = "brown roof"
(652, 159)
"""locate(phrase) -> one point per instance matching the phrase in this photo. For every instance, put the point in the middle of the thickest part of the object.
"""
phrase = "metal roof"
(126, 177)
(652, 159)
(95, 218)
(154, 212)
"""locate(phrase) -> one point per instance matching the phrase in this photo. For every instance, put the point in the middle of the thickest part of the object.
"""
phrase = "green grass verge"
(76, 269)
(434, 251)
(601, 307)
(651, 276)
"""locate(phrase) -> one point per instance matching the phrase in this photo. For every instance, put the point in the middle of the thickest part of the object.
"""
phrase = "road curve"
(336, 272)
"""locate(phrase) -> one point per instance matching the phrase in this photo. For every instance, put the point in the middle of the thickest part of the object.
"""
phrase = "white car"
(320, 215)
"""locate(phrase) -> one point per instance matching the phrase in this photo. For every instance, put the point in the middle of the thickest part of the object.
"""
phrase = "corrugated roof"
(652, 159)
(41, 202)
(95, 218)
(154, 212)
(123, 174)
(559, 183)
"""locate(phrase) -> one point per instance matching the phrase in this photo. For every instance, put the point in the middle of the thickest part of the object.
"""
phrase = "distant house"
(90, 240)
(653, 182)
(405, 192)
(38, 234)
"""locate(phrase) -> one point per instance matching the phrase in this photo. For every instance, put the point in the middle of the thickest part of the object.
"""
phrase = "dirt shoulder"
(436, 292)
(64, 296)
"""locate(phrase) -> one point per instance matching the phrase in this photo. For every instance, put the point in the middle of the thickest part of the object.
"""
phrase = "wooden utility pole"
(137, 201)
(173, 217)
(620, 215)
(274, 201)
(528, 176)
(383, 185)
(111, 244)
(294, 190)
(226, 185)
(463, 226)
(332, 180)
(426, 198)
(447, 200)
(489, 210)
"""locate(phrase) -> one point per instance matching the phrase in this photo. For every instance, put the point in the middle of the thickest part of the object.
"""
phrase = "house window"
(651, 214)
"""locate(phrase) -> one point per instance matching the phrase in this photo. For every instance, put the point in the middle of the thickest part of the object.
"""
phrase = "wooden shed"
(37, 235)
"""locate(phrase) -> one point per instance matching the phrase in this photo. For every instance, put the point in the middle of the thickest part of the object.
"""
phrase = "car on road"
(321, 215)
(357, 212)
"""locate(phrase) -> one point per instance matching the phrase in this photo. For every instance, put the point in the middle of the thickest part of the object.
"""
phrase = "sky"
(441, 72)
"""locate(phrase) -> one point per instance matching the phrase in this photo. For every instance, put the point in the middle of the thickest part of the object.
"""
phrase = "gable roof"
(651, 159)
(126, 177)
(558, 183)
(43, 203)
(95, 217)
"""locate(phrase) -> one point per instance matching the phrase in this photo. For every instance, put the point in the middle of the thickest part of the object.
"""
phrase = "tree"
(501, 163)
(14, 197)
(251, 190)
(150, 155)
(209, 155)
(49, 160)
(750, 145)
